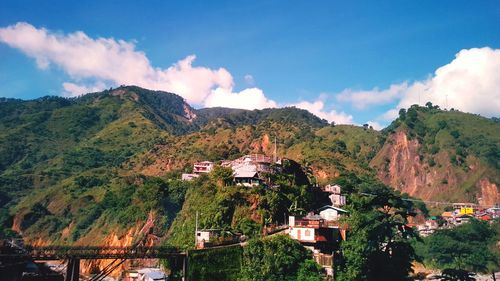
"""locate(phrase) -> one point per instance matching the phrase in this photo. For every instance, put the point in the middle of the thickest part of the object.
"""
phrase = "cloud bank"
(115, 62)
(470, 82)
(318, 108)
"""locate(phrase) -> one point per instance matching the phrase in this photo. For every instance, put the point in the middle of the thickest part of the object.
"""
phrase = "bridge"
(11, 253)
(87, 252)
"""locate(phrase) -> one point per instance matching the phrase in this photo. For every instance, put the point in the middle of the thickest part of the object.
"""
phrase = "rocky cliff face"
(402, 165)
(123, 239)
(488, 192)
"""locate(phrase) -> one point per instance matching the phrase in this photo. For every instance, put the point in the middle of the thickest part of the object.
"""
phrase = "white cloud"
(74, 90)
(110, 61)
(363, 99)
(317, 108)
(252, 98)
(470, 83)
(375, 125)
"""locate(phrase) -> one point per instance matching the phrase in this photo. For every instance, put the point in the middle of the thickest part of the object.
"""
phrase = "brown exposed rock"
(114, 239)
(122, 93)
(262, 146)
(489, 195)
(400, 165)
(188, 113)
(16, 225)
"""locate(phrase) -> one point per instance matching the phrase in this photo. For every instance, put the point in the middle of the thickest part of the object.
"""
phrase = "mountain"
(442, 156)
(94, 169)
(60, 159)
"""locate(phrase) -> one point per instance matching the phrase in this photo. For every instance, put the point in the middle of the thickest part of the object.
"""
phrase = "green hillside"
(453, 156)
(71, 169)
(87, 169)
(61, 158)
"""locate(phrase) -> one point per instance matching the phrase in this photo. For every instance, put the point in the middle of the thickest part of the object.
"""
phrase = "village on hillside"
(321, 230)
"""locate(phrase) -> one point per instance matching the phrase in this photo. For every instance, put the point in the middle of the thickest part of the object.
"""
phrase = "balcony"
(316, 223)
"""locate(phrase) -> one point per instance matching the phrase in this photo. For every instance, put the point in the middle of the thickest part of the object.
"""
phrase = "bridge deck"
(87, 252)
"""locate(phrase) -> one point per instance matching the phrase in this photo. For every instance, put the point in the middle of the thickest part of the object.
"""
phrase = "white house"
(331, 213)
(303, 234)
(337, 200)
(203, 167)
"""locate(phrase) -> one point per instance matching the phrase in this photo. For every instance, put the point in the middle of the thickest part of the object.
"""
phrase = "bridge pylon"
(73, 270)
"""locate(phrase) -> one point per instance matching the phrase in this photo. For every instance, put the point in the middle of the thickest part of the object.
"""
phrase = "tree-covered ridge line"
(462, 132)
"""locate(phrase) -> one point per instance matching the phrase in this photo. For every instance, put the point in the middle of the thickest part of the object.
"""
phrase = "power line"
(435, 202)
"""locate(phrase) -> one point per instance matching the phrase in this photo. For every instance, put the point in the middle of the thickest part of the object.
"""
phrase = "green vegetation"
(272, 258)
(243, 209)
(470, 247)
(464, 148)
(215, 264)
(277, 258)
(378, 245)
(460, 134)
(78, 170)
(61, 162)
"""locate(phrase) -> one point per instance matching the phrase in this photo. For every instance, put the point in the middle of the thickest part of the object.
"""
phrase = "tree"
(402, 114)
(222, 175)
(469, 247)
(309, 271)
(378, 245)
(277, 258)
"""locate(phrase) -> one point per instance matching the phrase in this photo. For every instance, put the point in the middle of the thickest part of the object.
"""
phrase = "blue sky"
(326, 56)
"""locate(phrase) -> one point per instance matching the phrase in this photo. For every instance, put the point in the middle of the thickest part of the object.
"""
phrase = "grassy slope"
(327, 150)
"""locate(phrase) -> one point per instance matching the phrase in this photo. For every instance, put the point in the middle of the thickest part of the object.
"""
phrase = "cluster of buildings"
(249, 170)
(321, 231)
(462, 213)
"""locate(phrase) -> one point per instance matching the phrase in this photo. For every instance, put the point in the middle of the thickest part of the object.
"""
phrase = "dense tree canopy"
(378, 244)
(470, 247)
(277, 258)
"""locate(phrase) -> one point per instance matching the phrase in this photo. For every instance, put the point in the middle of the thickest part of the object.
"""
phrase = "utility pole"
(196, 230)
(274, 154)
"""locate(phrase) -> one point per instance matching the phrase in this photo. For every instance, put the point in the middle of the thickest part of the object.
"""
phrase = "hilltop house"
(203, 167)
(335, 196)
(250, 170)
(198, 168)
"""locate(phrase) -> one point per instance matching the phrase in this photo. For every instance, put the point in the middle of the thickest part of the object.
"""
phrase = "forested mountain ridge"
(89, 169)
(442, 155)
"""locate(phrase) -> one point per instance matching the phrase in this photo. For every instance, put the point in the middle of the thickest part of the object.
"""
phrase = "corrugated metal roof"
(245, 174)
(332, 207)
(152, 273)
(245, 170)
